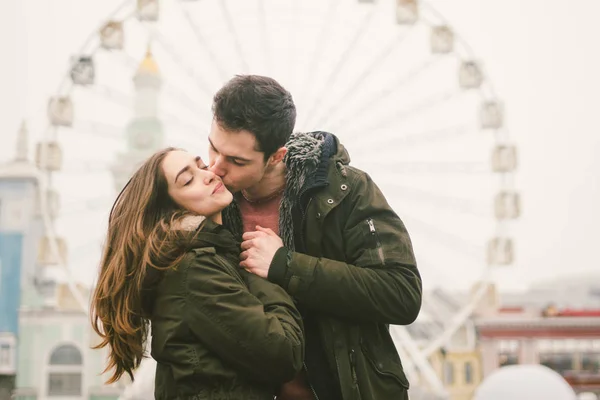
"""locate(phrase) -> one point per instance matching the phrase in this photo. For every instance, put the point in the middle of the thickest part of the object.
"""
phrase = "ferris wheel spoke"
(435, 136)
(441, 307)
(189, 125)
(113, 95)
(428, 167)
(424, 197)
(125, 59)
(85, 167)
(378, 60)
(86, 205)
(442, 273)
(98, 128)
(460, 318)
(233, 31)
(450, 240)
(81, 254)
(376, 99)
(400, 115)
(426, 329)
(408, 364)
(174, 91)
(292, 40)
(202, 42)
(399, 334)
(180, 61)
(408, 139)
(448, 301)
(187, 102)
(341, 63)
(186, 145)
(326, 25)
(181, 125)
(262, 13)
(170, 89)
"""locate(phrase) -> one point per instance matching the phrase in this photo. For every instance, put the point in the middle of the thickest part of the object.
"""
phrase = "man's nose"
(209, 177)
(216, 167)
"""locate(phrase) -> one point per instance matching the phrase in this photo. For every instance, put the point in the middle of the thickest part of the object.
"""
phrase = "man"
(323, 231)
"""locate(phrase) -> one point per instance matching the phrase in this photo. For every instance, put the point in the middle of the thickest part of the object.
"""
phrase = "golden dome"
(148, 65)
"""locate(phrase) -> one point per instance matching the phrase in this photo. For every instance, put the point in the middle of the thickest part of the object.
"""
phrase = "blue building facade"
(20, 231)
(11, 248)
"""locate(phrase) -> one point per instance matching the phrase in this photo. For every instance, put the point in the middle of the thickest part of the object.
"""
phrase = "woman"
(218, 332)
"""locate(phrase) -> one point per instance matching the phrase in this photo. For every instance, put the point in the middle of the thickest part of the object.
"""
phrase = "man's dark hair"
(260, 105)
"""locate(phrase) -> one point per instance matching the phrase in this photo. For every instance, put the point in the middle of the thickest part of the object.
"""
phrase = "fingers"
(252, 235)
(247, 244)
(246, 264)
(268, 231)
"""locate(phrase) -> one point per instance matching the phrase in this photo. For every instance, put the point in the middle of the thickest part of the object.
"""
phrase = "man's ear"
(277, 157)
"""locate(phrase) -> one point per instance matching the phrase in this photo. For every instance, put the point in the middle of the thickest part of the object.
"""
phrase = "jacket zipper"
(310, 384)
(376, 237)
(353, 368)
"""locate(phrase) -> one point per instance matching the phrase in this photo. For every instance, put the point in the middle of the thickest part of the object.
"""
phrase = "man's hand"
(258, 249)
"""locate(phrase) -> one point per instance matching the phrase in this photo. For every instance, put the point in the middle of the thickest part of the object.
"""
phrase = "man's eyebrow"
(229, 157)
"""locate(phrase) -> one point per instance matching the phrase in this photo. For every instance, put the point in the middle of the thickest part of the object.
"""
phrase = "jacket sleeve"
(254, 327)
(377, 282)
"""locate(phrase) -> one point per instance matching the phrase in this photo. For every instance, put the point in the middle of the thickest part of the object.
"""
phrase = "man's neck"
(272, 181)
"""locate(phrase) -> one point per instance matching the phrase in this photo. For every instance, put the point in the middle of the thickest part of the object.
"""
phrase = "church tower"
(144, 134)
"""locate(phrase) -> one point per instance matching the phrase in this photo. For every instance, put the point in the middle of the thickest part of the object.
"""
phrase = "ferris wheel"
(391, 78)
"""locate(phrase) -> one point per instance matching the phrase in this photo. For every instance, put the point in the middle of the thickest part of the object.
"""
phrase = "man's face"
(233, 157)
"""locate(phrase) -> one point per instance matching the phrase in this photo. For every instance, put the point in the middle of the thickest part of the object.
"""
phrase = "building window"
(5, 359)
(508, 352)
(559, 362)
(505, 359)
(65, 371)
(7, 354)
(590, 362)
(66, 355)
(64, 384)
(468, 373)
(448, 373)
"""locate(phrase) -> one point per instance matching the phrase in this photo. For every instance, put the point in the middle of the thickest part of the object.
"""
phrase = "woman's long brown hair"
(140, 245)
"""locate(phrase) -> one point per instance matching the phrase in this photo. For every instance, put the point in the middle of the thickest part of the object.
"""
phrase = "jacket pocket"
(385, 364)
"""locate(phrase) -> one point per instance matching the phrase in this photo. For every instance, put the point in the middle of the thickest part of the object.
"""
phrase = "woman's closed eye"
(201, 166)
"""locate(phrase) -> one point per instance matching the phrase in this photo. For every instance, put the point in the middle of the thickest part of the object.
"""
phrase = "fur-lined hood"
(188, 223)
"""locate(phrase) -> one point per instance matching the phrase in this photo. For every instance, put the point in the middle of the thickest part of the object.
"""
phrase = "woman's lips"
(218, 188)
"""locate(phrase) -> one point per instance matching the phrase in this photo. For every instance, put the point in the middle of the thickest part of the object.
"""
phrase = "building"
(565, 340)
(20, 230)
(458, 362)
(525, 382)
(46, 338)
(56, 359)
(145, 133)
(44, 341)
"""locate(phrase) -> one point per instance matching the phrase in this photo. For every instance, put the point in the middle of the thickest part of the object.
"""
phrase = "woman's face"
(192, 186)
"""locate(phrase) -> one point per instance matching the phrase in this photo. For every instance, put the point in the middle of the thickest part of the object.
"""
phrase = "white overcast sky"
(541, 55)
